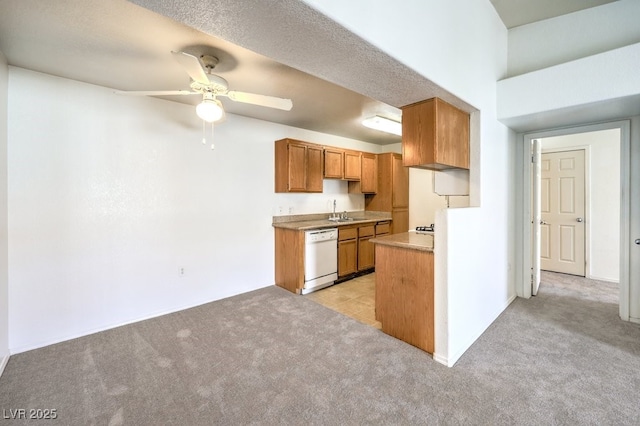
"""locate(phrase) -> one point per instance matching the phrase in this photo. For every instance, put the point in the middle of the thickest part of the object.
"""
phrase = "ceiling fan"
(211, 86)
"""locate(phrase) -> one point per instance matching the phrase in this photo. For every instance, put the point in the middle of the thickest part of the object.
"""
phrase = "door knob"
(638, 241)
(579, 219)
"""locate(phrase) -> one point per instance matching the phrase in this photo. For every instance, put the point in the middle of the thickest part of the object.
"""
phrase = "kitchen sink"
(341, 219)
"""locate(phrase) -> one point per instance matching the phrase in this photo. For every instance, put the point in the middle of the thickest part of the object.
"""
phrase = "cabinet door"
(297, 168)
(404, 295)
(400, 179)
(314, 169)
(452, 143)
(435, 135)
(369, 174)
(347, 257)
(365, 254)
(400, 220)
(333, 163)
(352, 165)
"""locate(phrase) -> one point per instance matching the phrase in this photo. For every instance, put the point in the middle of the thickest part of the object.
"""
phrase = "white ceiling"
(120, 45)
(520, 12)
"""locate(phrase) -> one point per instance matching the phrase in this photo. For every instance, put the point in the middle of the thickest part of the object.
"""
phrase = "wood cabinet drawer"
(347, 233)
(366, 231)
(382, 228)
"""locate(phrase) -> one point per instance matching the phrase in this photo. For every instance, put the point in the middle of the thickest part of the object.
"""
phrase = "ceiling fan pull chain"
(212, 145)
(204, 132)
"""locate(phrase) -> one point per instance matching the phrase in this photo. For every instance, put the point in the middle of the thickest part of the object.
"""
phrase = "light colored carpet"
(271, 357)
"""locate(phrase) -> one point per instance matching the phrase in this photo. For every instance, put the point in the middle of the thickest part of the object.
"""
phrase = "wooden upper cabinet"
(341, 164)
(368, 183)
(333, 163)
(298, 166)
(352, 165)
(315, 155)
(435, 135)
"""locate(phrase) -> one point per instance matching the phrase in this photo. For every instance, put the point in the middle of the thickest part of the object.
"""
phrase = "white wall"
(425, 202)
(573, 36)
(4, 286)
(461, 46)
(110, 195)
(603, 181)
(601, 87)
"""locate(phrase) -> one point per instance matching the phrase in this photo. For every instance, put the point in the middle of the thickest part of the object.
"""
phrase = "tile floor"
(354, 298)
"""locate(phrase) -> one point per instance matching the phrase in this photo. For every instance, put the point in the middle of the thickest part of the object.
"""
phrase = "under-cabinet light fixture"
(383, 124)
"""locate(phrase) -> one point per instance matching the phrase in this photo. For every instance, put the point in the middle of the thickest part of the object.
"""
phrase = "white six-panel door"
(562, 204)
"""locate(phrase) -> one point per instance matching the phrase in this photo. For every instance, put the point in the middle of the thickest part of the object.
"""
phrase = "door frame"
(524, 205)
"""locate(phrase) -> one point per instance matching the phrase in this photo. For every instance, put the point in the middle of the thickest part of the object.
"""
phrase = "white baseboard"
(441, 359)
(86, 332)
(608, 280)
(3, 364)
(450, 360)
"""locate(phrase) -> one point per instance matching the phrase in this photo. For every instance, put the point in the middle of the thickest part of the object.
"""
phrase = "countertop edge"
(324, 223)
(406, 240)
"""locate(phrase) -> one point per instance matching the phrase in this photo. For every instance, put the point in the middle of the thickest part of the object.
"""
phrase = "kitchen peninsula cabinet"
(405, 288)
(435, 135)
(298, 166)
(393, 191)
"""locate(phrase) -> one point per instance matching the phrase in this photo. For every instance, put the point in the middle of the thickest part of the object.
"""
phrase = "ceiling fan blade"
(155, 92)
(261, 100)
(192, 65)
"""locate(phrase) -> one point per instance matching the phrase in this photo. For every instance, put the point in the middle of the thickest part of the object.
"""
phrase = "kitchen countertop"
(408, 240)
(320, 221)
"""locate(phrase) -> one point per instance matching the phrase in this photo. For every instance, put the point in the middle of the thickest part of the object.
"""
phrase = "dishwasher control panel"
(320, 235)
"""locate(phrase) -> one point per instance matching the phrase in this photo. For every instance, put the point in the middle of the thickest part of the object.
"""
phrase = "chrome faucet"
(334, 216)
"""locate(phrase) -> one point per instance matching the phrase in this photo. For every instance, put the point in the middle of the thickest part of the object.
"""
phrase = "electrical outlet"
(290, 210)
(181, 271)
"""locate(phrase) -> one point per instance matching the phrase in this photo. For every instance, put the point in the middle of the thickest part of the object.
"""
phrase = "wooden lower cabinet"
(347, 257)
(355, 252)
(289, 259)
(404, 295)
(366, 258)
(365, 247)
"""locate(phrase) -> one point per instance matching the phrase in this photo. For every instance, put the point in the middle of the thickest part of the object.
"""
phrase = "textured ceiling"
(292, 33)
(301, 55)
(120, 45)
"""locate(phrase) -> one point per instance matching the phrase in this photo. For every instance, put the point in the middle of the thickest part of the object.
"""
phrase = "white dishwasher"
(320, 259)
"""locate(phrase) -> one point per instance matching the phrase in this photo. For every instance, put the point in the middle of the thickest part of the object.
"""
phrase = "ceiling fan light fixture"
(210, 109)
(383, 124)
